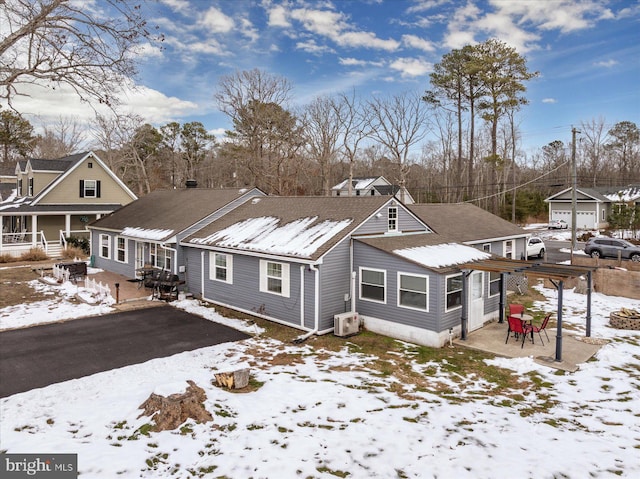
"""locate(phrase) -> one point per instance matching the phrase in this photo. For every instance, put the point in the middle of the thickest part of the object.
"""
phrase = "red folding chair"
(542, 327)
(517, 326)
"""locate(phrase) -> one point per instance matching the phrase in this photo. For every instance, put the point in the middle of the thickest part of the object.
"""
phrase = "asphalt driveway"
(41, 355)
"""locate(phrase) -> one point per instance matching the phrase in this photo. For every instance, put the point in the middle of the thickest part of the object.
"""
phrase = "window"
(153, 253)
(413, 291)
(121, 249)
(19, 187)
(604, 216)
(393, 218)
(159, 257)
(274, 278)
(508, 249)
(105, 246)
(221, 267)
(486, 248)
(89, 188)
(30, 187)
(89, 164)
(373, 285)
(454, 292)
(494, 283)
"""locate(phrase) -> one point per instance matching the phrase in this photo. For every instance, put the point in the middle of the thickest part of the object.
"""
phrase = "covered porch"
(557, 274)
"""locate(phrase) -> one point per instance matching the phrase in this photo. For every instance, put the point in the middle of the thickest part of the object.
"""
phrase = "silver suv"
(610, 247)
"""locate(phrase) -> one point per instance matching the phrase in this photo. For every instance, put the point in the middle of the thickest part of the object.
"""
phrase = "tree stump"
(235, 379)
(171, 411)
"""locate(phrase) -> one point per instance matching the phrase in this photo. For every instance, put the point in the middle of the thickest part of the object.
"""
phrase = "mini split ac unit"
(346, 324)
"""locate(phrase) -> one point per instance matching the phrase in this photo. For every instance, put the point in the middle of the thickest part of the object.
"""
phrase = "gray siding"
(406, 222)
(335, 279)
(124, 269)
(244, 293)
(434, 320)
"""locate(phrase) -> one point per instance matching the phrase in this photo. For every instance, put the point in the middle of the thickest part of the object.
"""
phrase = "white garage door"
(584, 219)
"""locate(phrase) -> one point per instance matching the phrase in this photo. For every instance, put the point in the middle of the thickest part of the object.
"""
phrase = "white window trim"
(117, 249)
(384, 272)
(489, 283)
(95, 189)
(486, 247)
(264, 283)
(506, 249)
(108, 256)
(446, 278)
(395, 220)
(213, 267)
(400, 273)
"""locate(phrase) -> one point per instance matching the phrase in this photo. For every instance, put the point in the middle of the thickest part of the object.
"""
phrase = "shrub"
(71, 252)
(34, 254)
(7, 258)
(77, 242)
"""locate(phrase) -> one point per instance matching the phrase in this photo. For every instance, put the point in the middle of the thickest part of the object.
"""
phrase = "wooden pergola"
(556, 273)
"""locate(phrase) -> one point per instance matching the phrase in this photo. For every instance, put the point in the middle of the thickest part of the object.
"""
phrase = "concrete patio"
(576, 348)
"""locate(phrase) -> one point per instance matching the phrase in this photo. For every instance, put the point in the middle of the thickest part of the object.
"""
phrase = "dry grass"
(73, 252)
(34, 254)
(15, 287)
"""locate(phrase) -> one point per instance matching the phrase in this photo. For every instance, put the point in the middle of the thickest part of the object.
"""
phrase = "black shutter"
(98, 189)
(81, 188)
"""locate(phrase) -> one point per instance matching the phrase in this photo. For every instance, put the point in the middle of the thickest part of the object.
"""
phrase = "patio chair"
(516, 310)
(517, 326)
(542, 327)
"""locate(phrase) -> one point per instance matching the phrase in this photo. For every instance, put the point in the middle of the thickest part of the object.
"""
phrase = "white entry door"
(139, 254)
(476, 300)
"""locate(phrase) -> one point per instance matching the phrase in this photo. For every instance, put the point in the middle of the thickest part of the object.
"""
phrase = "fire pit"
(625, 319)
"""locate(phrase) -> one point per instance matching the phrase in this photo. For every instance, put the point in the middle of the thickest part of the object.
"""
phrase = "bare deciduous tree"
(56, 42)
(399, 123)
(62, 138)
(321, 127)
(351, 113)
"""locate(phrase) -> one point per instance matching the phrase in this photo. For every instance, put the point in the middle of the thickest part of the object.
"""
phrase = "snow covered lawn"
(320, 413)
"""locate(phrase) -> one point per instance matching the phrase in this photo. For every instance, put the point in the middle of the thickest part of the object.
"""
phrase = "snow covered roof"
(301, 227)
(630, 193)
(300, 238)
(357, 184)
(431, 250)
(442, 255)
(150, 234)
(168, 211)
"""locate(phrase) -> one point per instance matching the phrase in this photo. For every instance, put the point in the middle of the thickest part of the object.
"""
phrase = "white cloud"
(549, 100)
(606, 64)
(47, 104)
(311, 46)
(352, 62)
(278, 17)
(177, 5)
(334, 26)
(414, 41)
(248, 30)
(411, 67)
(216, 21)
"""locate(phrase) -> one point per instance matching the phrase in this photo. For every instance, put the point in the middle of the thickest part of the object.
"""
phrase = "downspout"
(302, 269)
(202, 274)
(316, 304)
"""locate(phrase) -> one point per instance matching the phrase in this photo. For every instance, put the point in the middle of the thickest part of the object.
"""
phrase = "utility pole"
(574, 179)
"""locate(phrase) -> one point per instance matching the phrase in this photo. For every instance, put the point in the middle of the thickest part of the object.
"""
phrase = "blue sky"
(587, 53)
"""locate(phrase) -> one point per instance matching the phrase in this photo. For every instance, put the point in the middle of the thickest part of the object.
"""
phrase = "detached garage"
(592, 208)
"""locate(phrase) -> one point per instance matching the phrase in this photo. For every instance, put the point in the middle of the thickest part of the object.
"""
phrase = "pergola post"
(588, 333)
(503, 294)
(559, 327)
(465, 306)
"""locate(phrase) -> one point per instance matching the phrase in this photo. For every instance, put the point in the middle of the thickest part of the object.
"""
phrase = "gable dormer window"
(19, 187)
(30, 187)
(393, 218)
(89, 188)
(89, 164)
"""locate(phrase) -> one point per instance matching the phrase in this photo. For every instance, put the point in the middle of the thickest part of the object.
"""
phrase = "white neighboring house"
(372, 186)
(593, 205)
